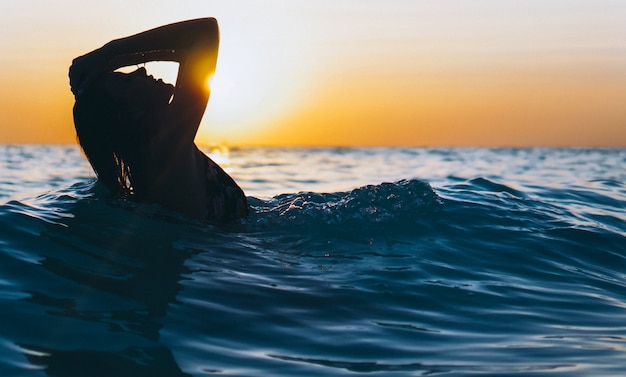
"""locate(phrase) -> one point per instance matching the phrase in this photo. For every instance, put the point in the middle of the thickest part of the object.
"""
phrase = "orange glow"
(351, 73)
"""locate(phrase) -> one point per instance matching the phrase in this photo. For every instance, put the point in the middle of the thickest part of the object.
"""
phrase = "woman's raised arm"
(193, 44)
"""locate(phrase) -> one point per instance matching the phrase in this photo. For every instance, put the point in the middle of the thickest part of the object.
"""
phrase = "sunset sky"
(349, 72)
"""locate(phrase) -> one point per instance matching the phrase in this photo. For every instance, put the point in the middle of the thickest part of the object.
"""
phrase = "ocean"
(354, 261)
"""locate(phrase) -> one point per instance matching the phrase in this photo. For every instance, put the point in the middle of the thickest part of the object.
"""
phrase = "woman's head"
(137, 90)
(114, 118)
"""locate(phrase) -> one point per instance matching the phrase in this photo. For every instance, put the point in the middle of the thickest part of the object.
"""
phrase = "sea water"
(364, 261)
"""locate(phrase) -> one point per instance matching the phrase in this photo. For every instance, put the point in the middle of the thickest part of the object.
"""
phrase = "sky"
(493, 73)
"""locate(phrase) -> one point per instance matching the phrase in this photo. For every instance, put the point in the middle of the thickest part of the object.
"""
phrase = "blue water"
(489, 262)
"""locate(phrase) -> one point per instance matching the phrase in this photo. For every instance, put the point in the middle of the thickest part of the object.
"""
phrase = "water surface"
(354, 261)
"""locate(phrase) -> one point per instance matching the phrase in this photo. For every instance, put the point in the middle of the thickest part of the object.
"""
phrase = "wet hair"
(113, 136)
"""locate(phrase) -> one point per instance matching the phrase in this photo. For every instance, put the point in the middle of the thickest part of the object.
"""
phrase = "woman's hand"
(85, 69)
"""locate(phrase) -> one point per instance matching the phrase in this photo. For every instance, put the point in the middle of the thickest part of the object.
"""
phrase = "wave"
(480, 211)
(367, 210)
(405, 207)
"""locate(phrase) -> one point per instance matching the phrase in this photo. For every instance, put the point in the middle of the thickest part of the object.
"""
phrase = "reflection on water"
(104, 287)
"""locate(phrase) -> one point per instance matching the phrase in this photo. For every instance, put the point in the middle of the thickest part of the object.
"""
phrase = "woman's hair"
(112, 136)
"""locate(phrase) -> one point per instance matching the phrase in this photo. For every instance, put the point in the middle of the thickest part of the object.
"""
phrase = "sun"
(265, 73)
(251, 90)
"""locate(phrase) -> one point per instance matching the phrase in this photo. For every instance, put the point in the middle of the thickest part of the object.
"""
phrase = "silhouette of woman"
(138, 132)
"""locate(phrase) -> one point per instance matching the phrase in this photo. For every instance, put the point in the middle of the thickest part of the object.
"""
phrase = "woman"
(138, 133)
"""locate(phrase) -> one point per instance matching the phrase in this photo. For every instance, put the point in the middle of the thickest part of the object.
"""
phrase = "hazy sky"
(349, 72)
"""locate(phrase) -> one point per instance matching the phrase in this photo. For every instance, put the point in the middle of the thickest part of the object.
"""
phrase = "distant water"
(490, 262)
